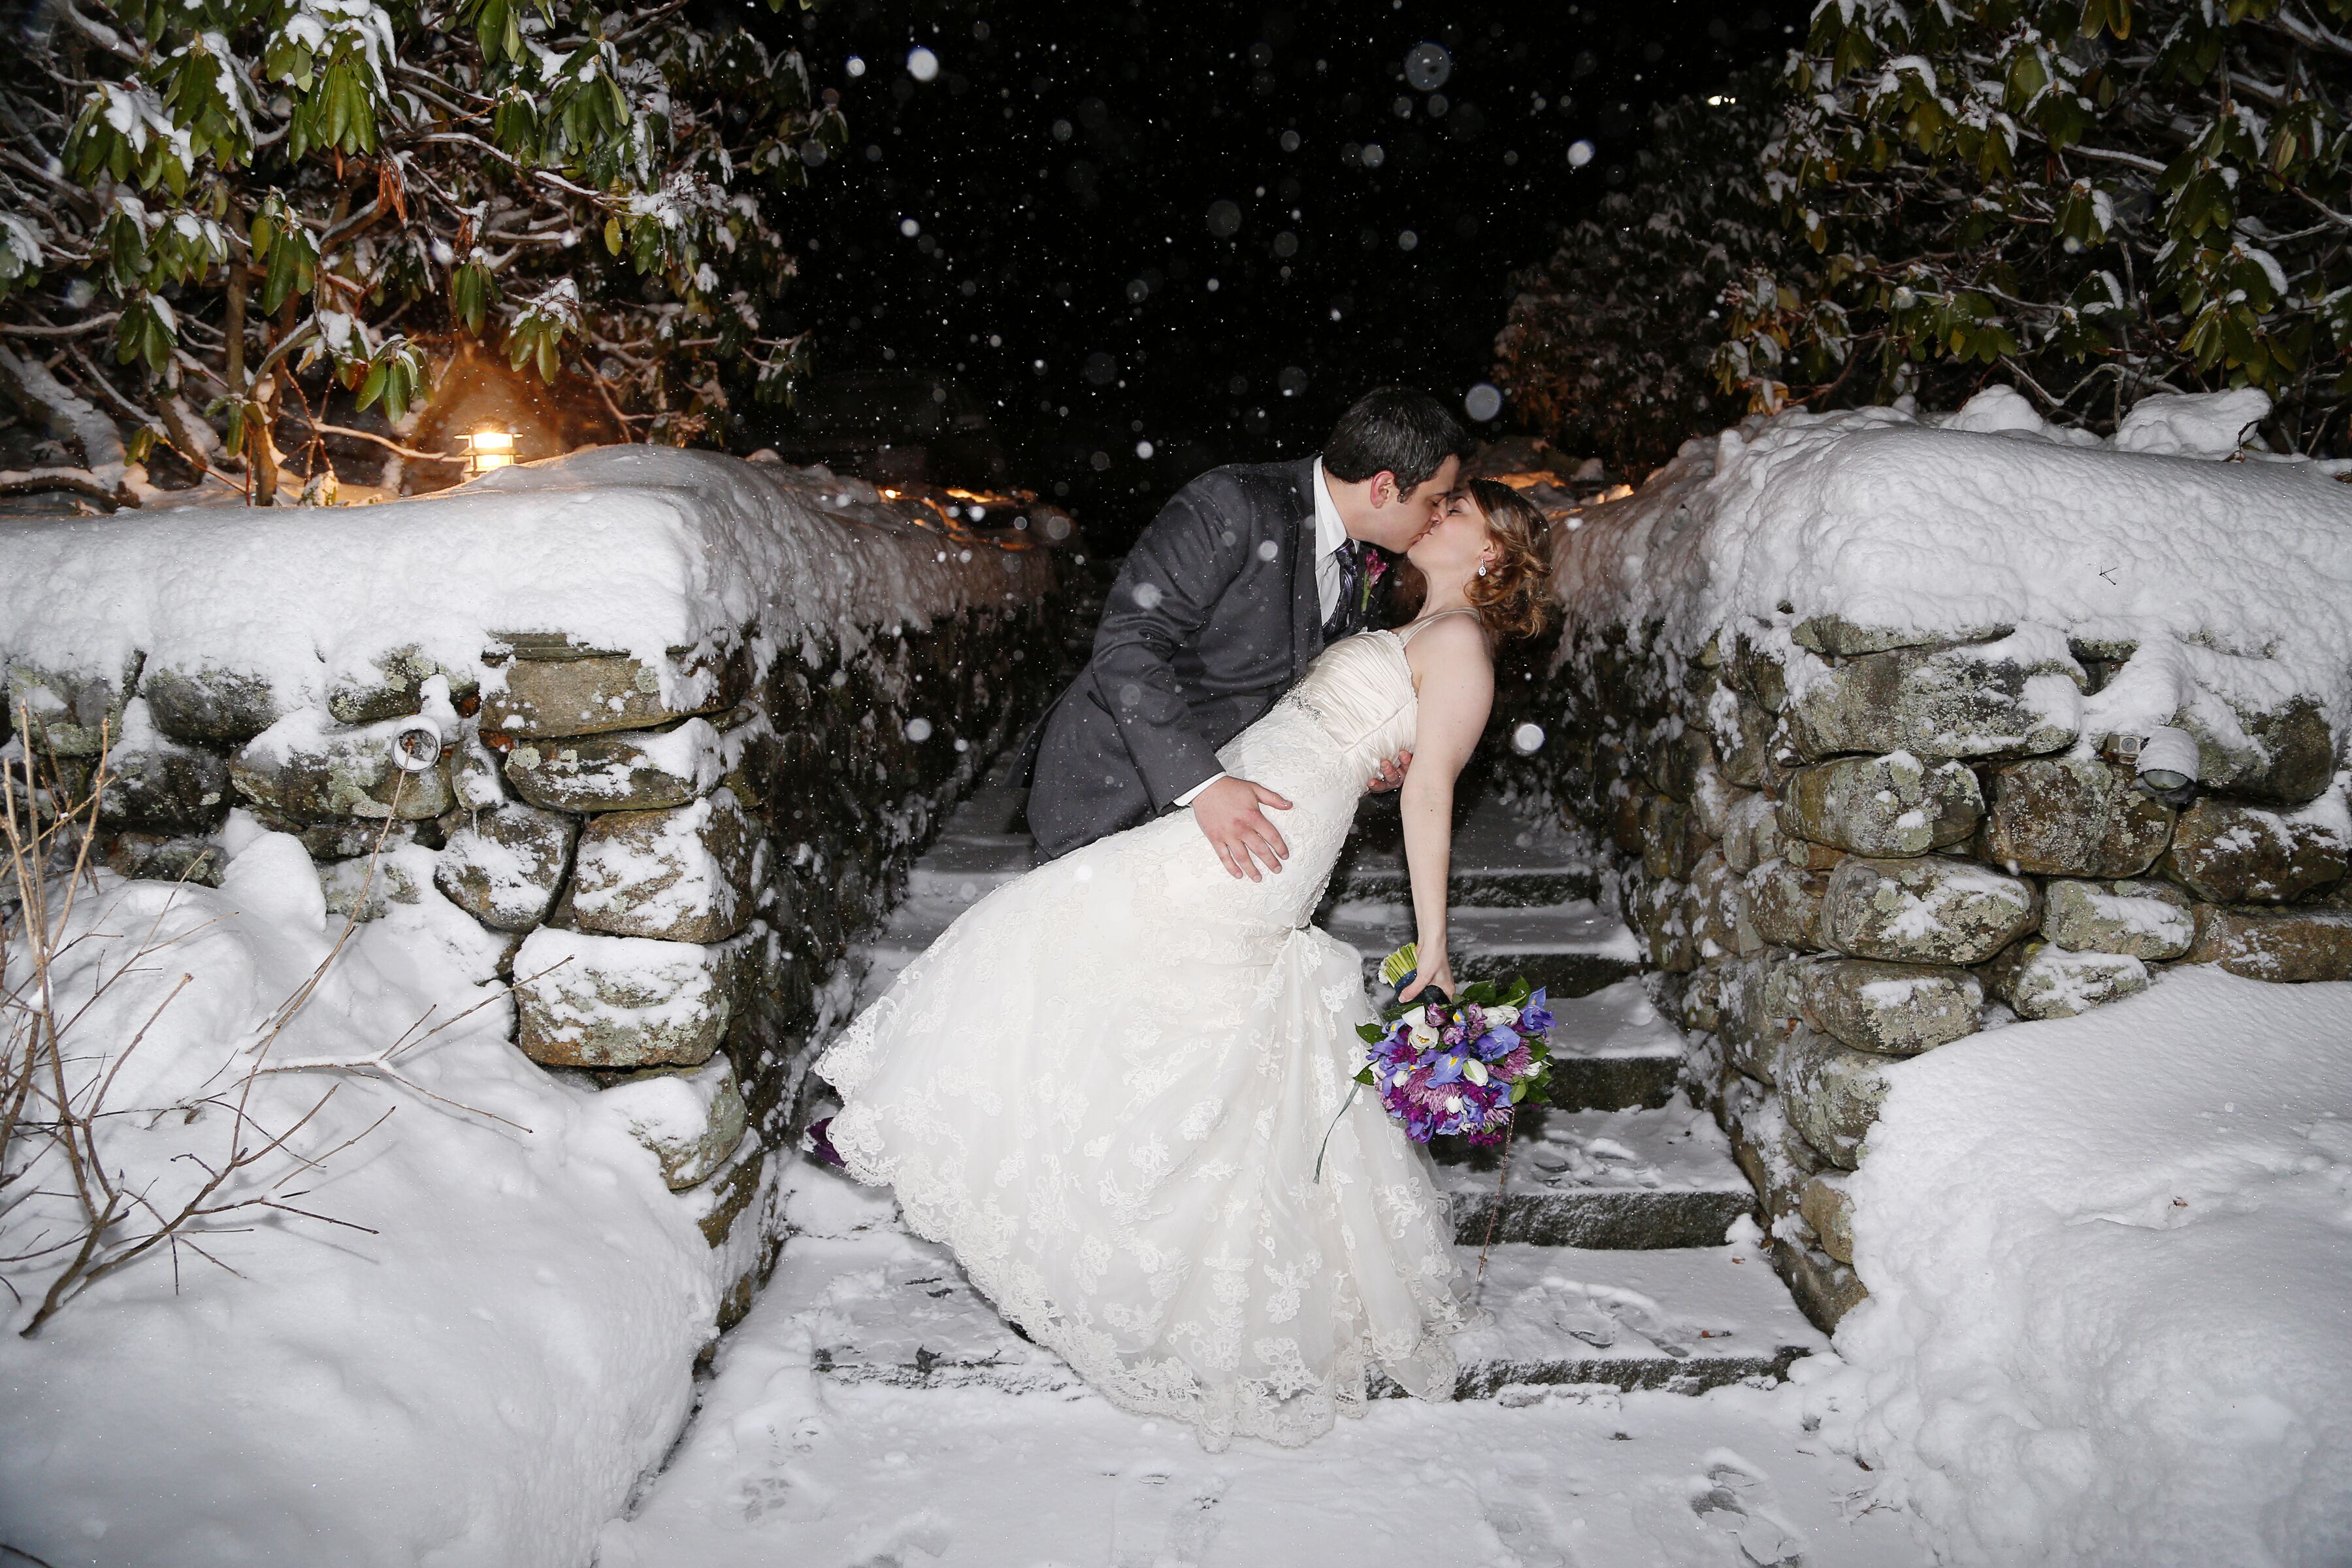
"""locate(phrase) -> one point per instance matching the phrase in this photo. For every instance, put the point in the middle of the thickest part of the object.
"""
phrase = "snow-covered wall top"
(1845, 531)
(637, 550)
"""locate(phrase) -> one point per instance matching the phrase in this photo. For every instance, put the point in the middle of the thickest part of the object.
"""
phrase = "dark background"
(1061, 167)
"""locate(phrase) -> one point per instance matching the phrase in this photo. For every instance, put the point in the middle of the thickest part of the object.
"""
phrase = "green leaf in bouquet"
(1365, 1076)
(1370, 1034)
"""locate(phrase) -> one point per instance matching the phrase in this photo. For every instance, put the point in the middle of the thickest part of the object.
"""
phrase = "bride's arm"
(1457, 678)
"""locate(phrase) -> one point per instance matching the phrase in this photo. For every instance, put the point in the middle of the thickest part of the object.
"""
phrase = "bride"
(1106, 1086)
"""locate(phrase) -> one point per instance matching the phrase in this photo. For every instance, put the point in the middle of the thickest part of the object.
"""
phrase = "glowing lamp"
(489, 448)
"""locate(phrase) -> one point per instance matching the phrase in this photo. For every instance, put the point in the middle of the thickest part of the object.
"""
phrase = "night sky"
(1197, 231)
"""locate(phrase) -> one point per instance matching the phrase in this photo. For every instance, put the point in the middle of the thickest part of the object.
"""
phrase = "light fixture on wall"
(2163, 760)
(2169, 765)
(489, 447)
(417, 745)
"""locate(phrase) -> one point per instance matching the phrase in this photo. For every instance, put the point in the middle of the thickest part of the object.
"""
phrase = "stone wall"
(1913, 845)
(1843, 845)
(676, 851)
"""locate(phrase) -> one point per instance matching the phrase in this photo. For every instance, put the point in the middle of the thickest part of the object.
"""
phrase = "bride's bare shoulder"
(1450, 642)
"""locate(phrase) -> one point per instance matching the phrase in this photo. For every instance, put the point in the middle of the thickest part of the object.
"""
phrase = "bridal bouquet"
(1452, 1066)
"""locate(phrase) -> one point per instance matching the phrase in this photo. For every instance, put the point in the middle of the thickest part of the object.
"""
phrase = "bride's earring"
(1482, 569)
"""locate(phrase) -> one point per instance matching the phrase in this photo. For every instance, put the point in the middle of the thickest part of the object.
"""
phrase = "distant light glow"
(921, 64)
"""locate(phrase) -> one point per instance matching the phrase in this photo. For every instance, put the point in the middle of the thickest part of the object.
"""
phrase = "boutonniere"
(1376, 566)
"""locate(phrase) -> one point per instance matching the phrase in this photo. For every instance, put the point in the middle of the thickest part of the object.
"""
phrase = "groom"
(1243, 578)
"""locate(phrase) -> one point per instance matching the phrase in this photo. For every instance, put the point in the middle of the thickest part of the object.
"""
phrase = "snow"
(1010, 1461)
(2110, 1265)
(478, 1378)
(2209, 425)
(2234, 578)
(637, 549)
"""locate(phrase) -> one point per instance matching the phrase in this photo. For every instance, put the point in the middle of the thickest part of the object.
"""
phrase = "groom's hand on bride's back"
(1230, 813)
(1391, 773)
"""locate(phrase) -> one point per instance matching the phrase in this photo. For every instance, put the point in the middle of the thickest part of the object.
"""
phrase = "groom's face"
(1402, 517)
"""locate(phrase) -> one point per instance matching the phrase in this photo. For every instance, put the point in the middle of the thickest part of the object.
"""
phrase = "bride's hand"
(1438, 974)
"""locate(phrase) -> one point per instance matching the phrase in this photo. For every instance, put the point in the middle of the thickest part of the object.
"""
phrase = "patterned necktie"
(1351, 557)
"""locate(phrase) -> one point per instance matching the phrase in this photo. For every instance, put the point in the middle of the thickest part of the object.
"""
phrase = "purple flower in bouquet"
(1498, 1042)
(1446, 1067)
(1535, 1018)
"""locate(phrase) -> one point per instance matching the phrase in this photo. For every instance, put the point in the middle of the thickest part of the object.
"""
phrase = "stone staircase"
(1608, 1265)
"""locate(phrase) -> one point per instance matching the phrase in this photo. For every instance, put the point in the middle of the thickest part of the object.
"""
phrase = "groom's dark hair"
(1407, 432)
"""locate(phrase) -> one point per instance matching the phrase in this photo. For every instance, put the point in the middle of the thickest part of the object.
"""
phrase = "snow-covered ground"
(476, 1378)
(789, 1461)
(2110, 1264)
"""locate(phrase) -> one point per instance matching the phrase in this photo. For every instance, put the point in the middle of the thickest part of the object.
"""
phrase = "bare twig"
(68, 1206)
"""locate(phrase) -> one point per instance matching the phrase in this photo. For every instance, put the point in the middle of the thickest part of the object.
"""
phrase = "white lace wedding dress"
(1105, 1088)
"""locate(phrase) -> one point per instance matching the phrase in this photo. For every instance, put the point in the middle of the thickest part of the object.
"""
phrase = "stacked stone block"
(679, 877)
(1843, 846)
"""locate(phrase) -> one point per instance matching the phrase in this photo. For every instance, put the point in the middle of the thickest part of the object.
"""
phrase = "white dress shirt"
(1330, 537)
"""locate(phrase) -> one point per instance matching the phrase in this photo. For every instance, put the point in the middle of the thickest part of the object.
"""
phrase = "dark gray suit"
(1212, 618)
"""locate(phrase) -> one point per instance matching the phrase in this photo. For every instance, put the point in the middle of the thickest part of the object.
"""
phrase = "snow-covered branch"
(207, 192)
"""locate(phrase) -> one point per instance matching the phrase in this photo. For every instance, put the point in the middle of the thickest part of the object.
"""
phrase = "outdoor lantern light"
(489, 448)
(2167, 765)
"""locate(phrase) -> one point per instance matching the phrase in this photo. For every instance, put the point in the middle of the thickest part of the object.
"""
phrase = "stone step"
(875, 1305)
(1571, 950)
(1611, 1049)
(1624, 1179)
(1499, 859)
(983, 844)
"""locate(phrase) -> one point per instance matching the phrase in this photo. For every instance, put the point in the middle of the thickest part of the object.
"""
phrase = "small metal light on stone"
(2168, 766)
(416, 745)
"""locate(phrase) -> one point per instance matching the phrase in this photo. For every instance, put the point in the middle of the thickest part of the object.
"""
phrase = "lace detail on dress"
(1105, 1088)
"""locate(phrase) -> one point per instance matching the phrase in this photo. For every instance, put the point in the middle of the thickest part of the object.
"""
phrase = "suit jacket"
(1214, 616)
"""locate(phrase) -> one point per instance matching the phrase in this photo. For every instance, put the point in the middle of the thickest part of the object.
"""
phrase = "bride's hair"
(1514, 599)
